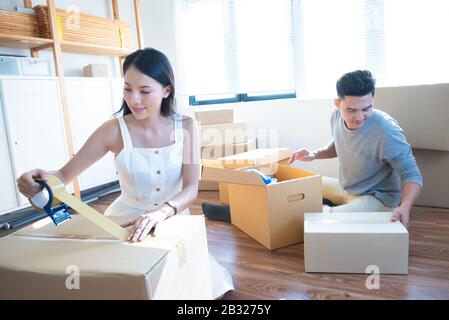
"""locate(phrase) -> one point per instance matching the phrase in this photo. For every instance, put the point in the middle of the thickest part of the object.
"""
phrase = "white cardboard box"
(352, 242)
(37, 263)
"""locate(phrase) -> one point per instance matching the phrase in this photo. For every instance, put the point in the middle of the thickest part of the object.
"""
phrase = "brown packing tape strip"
(83, 209)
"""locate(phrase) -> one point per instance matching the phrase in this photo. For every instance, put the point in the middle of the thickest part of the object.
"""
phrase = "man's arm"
(326, 152)
(410, 192)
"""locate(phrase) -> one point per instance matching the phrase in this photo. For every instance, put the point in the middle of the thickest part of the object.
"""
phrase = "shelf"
(15, 41)
(86, 48)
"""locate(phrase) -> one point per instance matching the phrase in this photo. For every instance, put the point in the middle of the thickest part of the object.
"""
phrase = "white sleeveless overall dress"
(150, 176)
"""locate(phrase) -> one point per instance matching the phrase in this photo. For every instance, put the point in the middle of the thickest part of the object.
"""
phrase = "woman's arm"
(190, 169)
(96, 146)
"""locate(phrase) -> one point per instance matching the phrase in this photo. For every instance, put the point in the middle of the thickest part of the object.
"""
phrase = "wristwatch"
(172, 205)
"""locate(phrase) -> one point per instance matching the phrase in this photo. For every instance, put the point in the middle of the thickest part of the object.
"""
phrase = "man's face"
(355, 111)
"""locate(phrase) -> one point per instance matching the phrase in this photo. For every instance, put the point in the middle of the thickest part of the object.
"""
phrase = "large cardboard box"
(208, 186)
(356, 242)
(223, 133)
(225, 150)
(43, 263)
(272, 214)
(215, 116)
(223, 192)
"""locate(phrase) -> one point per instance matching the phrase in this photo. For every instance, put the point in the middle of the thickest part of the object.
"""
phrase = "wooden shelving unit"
(87, 48)
(36, 44)
(14, 41)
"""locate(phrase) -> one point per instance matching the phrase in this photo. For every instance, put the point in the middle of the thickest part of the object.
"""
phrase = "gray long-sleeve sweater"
(375, 159)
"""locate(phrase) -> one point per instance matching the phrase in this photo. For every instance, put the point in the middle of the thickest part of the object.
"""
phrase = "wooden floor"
(262, 274)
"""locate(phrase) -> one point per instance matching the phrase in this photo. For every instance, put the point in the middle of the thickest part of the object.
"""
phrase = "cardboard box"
(223, 133)
(224, 150)
(207, 186)
(223, 192)
(257, 158)
(96, 70)
(272, 214)
(261, 158)
(215, 116)
(40, 263)
(351, 242)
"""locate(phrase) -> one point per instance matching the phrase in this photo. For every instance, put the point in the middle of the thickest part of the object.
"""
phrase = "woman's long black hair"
(156, 65)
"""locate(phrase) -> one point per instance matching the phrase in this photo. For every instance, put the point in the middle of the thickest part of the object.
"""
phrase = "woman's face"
(143, 94)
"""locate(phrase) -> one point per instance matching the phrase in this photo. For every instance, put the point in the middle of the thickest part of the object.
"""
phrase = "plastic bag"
(266, 179)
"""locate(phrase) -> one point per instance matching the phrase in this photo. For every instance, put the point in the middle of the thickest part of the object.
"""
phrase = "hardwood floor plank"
(262, 274)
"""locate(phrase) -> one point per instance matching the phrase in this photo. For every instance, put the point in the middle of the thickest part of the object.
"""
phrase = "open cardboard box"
(356, 242)
(272, 214)
(41, 262)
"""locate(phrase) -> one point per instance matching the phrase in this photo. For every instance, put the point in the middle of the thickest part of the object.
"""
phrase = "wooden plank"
(78, 47)
(23, 42)
(138, 24)
(62, 89)
(115, 10)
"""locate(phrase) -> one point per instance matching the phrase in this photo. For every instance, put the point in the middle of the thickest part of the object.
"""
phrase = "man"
(378, 171)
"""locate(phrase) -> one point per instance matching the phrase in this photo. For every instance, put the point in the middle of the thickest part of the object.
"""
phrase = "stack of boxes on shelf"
(86, 28)
(221, 136)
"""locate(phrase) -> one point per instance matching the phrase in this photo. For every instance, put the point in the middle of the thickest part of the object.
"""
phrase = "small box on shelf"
(96, 70)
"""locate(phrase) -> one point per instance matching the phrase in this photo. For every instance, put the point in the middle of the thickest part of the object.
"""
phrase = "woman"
(156, 153)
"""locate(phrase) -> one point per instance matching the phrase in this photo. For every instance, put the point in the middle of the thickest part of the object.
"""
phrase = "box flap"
(80, 228)
(231, 176)
(76, 228)
(255, 158)
(352, 222)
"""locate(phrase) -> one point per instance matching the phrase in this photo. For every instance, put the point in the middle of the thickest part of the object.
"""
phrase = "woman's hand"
(144, 224)
(27, 186)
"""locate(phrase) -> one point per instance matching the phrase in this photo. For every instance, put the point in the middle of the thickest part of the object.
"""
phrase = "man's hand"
(302, 155)
(402, 214)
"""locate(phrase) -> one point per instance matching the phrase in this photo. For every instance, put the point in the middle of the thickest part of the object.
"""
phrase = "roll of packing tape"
(40, 200)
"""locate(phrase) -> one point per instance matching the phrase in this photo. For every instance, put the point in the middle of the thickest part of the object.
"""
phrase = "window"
(238, 50)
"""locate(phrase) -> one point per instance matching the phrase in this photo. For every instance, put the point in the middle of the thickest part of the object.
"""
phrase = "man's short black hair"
(356, 83)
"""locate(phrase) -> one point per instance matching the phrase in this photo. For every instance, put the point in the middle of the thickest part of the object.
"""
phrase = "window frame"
(242, 97)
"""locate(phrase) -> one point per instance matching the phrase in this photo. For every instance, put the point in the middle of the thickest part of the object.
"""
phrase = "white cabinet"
(34, 125)
(90, 106)
(8, 200)
(116, 93)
